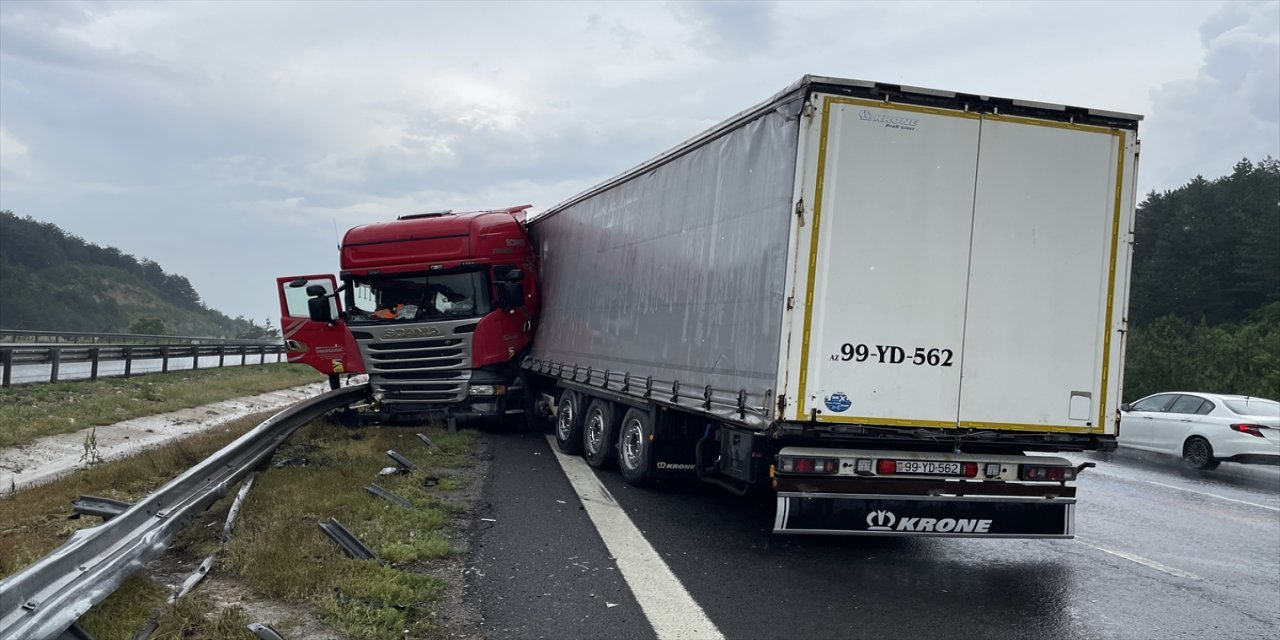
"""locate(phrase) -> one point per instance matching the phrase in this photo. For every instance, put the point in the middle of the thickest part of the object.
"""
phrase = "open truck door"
(324, 342)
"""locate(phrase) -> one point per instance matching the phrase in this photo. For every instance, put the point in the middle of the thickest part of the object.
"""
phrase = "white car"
(1204, 428)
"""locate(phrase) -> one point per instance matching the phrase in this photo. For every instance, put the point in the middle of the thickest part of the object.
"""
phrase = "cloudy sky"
(227, 141)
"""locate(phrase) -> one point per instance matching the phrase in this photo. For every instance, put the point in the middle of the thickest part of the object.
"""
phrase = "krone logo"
(892, 121)
(881, 520)
(410, 332)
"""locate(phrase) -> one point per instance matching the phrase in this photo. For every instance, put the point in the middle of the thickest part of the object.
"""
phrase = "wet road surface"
(1161, 552)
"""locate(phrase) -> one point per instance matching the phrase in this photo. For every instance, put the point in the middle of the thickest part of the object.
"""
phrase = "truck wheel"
(634, 447)
(569, 423)
(537, 415)
(599, 433)
(1197, 453)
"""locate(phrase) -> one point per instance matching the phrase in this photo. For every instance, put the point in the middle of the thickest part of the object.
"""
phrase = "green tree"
(1209, 250)
(255, 332)
(149, 326)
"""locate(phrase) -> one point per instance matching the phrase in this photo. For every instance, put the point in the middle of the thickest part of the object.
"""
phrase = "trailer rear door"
(962, 270)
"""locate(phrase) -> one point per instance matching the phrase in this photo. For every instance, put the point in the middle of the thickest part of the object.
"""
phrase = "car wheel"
(599, 433)
(1197, 453)
(635, 447)
(569, 423)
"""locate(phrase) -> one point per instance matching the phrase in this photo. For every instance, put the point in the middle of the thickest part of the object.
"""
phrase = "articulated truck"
(437, 308)
(888, 305)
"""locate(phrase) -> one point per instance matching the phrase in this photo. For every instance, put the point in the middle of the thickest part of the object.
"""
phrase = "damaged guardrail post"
(347, 540)
(387, 495)
(401, 460)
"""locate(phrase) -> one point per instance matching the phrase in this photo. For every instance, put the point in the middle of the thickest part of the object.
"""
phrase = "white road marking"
(1146, 562)
(664, 600)
(1174, 486)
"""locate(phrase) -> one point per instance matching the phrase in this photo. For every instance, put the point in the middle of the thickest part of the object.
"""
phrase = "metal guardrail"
(56, 355)
(43, 600)
(76, 337)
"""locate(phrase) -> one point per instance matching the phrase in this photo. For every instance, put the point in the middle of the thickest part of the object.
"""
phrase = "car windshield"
(1253, 406)
(418, 297)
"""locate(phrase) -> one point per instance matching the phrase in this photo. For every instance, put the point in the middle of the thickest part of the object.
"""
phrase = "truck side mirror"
(316, 290)
(319, 307)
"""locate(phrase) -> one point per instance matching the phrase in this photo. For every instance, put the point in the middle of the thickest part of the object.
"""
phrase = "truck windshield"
(418, 297)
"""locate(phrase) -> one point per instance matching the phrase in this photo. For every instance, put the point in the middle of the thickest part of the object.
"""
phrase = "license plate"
(929, 467)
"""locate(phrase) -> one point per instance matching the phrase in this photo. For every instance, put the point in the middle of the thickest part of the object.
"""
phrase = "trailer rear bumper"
(924, 516)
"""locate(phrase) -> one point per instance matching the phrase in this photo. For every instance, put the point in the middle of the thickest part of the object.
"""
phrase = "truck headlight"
(484, 390)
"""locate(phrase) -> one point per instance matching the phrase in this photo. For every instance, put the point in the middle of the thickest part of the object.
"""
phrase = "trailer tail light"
(993, 469)
(863, 466)
(1047, 474)
(1251, 429)
(886, 467)
(808, 465)
(969, 469)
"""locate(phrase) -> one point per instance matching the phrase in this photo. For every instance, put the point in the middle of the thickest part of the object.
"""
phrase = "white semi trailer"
(873, 299)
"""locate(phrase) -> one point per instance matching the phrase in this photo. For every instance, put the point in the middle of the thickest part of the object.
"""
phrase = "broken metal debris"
(387, 495)
(104, 508)
(265, 632)
(401, 460)
(347, 540)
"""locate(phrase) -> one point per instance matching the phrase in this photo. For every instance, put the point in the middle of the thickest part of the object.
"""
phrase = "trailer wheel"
(635, 447)
(569, 423)
(599, 433)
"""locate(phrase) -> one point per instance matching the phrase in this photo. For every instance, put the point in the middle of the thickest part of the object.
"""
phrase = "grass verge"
(30, 411)
(277, 551)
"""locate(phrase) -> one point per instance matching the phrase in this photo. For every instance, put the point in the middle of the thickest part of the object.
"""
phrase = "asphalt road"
(1161, 552)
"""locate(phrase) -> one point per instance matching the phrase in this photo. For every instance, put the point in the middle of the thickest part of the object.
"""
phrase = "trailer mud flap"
(942, 516)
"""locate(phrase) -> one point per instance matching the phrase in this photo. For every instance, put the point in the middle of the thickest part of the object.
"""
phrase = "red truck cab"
(437, 308)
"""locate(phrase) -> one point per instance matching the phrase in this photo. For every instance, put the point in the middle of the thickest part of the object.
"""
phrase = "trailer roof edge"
(864, 88)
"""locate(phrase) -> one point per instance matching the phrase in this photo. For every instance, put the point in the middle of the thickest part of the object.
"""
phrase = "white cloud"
(11, 148)
(1230, 109)
(15, 165)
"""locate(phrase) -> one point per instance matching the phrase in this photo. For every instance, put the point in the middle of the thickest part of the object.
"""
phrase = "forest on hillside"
(51, 280)
(1204, 308)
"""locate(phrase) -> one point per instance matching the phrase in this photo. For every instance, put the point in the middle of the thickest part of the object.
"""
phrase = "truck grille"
(431, 363)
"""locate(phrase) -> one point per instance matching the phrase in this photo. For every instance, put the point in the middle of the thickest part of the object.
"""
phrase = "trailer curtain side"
(678, 273)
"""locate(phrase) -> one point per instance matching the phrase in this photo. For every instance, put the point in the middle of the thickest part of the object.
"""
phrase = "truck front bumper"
(928, 516)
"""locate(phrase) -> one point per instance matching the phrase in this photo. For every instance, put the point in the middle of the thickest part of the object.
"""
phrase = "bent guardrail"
(47, 597)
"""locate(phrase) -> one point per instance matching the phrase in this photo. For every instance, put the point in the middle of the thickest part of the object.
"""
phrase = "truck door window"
(295, 299)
